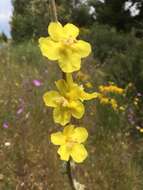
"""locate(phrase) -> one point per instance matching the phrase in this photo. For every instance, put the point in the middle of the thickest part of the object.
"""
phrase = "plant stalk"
(54, 18)
(69, 174)
(53, 10)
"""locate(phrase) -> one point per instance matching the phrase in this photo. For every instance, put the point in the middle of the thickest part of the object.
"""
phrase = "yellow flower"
(88, 85)
(68, 101)
(70, 141)
(114, 104)
(136, 99)
(135, 103)
(111, 88)
(62, 45)
(108, 101)
(141, 130)
(104, 100)
(82, 76)
(122, 108)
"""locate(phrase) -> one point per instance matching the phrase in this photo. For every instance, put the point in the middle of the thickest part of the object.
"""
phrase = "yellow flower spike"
(70, 142)
(111, 88)
(62, 45)
(67, 101)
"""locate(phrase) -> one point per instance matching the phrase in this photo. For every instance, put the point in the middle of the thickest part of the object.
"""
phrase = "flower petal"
(69, 61)
(71, 30)
(62, 86)
(61, 115)
(88, 96)
(79, 153)
(68, 130)
(77, 109)
(74, 92)
(82, 48)
(80, 135)
(58, 138)
(64, 153)
(50, 98)
(49, 48)
(55, 30)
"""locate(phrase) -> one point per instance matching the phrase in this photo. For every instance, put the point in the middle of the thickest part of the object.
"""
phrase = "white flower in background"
(132, 8)
(7, 144)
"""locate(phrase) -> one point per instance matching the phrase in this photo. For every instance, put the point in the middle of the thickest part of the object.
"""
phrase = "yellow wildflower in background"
(114, 104)
(88, 85)
(70, 142)
(67, 101)
(111, 89)
(82, 76)
(63, 46)
(108, 101)
(140, 129)
(103, 99)
(136, 101)
(122, 108)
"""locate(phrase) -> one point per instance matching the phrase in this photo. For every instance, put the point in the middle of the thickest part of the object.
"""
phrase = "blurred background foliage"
(31, 16)
(114, 31)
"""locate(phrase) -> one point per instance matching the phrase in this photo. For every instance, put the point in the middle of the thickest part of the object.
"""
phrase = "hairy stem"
(69, 174)
(53, 10)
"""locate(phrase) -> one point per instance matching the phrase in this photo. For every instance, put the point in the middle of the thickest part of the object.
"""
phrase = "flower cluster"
(111, 89)
(62, 46)
(106, 93)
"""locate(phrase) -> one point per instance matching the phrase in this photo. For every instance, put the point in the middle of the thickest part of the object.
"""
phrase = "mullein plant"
(62, 46)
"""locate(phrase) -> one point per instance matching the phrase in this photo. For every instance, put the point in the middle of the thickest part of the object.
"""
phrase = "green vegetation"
(31, 17)
(3, 37)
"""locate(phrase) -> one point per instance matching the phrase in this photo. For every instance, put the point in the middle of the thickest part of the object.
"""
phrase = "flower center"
(68, 42)
(70, 143)
(62, 101)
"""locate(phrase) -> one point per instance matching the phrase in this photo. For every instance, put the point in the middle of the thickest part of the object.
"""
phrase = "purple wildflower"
(139, 94)
(36, 82)
(20, 110)
(5, 125)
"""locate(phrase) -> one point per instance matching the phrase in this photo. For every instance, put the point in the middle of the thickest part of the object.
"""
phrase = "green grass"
(115, 158)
